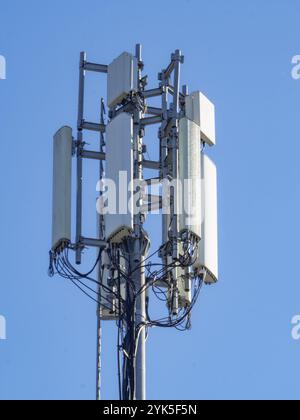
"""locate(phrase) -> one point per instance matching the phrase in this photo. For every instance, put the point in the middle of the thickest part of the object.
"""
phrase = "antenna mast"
(187, 203)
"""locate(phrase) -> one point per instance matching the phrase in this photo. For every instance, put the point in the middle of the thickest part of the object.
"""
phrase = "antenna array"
(187, 203)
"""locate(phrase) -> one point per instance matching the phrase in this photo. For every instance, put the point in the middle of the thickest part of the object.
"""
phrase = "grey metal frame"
(168, 118)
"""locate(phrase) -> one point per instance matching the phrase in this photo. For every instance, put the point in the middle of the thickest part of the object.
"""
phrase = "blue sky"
(239, 54)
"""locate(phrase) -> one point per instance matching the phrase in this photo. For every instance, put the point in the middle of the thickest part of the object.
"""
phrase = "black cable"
(128, 331)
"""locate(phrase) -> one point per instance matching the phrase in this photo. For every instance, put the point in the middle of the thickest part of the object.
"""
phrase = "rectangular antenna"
(122, 78)
(190, 176)
(62, 175)
(119, 161)
(202, 111)
(208, 247)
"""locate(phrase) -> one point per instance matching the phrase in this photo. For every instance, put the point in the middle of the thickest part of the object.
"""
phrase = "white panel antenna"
(202, 111)
(122, 78)
(62, 175)
(190, 176)
(208, 247)
(119, 159)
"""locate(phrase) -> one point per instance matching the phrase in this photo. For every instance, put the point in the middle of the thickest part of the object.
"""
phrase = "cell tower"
(126, 278)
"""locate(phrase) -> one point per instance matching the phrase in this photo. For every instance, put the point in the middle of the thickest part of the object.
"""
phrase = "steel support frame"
(82, 125)
(90, 154)
(169, 128)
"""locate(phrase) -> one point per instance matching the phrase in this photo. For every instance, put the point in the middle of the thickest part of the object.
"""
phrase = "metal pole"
(99, 339)
(176, 110)
(139, 277)
(101, 231)
(141, 341)
(163, 161)
(79, 157)
(175, 158)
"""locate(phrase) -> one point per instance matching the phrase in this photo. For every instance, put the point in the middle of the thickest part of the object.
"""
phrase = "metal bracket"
(153, 111)
(89, 126)
(151, 120)
(94, 243)
(97, 68)
(152, 93)
(151, 164)
(89, 154)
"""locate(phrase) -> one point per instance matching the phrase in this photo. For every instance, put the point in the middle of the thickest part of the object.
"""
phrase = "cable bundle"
(158, 280)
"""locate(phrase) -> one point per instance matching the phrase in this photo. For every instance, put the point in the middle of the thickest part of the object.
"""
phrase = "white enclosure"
(190, 176)
(121, 78)
(62, 176)
(200, 110)
(119, 170)
(208, 248)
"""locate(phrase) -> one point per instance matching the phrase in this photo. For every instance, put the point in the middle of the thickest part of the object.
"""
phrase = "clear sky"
(239, 54)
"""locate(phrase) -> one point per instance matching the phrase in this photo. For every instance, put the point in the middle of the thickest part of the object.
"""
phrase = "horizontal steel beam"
(151, 120)
(151, 164)
(154, 111)
(95, 243)
(89, 154)
(151, 93)
(100, 128)
(98, 68)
